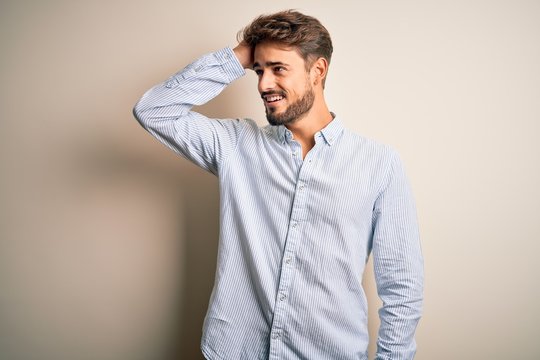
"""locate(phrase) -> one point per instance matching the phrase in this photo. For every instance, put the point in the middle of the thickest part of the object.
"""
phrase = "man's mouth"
(272, 98)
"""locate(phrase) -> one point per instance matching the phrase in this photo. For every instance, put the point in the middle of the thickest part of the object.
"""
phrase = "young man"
(303, 204)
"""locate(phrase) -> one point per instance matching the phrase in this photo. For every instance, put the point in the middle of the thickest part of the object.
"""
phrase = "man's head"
(291, 53)
(291, 29)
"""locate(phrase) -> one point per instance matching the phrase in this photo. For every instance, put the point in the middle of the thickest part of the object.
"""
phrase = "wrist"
(243, 54)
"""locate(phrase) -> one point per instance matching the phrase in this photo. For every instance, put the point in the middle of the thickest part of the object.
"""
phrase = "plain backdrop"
(108, 240)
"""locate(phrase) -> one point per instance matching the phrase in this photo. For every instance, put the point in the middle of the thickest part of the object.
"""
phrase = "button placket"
(288, 269)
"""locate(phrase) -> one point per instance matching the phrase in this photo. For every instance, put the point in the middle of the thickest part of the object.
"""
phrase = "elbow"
(137, 113)
(140, 114)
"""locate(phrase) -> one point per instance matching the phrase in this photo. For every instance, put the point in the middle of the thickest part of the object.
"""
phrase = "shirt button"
(294, 153)
(288, 260)
(294, 225)
(282, 297)
(302, 187)
(276, 335)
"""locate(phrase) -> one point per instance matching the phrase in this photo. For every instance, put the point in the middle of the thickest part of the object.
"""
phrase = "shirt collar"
(330, 133)
(284, 135)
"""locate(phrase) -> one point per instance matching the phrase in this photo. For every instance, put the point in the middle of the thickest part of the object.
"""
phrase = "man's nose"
(266, 81)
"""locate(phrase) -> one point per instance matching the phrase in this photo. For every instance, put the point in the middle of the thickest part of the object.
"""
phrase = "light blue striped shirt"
(295, 233)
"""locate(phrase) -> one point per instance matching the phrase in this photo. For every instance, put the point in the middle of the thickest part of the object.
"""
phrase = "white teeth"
(272, 98)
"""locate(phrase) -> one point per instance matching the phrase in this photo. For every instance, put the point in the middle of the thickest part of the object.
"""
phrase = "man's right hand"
(244, 54)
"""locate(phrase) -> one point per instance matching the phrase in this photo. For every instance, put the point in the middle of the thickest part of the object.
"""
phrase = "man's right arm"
(165, 109)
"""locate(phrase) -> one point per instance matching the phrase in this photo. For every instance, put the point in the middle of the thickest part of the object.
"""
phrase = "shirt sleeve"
(165, 110)
(398, 266)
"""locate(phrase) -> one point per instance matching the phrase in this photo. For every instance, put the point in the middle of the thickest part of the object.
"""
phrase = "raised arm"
(165, 109)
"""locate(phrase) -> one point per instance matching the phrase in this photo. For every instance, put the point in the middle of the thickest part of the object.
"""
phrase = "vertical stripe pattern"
(295, 233)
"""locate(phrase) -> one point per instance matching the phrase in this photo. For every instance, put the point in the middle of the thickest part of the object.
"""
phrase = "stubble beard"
(294, 111)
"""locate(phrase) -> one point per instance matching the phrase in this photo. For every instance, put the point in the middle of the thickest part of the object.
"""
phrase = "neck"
(305, 128)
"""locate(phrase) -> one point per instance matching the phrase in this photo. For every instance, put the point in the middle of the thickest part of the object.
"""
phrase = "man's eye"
(279, 68)
(258, 72)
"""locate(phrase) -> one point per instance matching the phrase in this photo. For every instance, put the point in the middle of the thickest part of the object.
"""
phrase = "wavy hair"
(290, 28)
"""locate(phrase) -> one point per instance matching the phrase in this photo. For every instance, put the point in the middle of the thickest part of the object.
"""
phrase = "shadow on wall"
(119, 260)
(188, 198)
(201, 202)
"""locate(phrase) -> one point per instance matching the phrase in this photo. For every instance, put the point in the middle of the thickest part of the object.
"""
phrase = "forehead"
(269, 52)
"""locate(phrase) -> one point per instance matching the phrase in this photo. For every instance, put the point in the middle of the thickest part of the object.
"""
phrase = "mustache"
(267, 93)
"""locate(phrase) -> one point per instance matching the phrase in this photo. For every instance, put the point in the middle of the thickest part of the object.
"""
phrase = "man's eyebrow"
(270, 63)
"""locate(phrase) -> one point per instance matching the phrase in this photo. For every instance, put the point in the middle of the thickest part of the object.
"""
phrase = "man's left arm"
(398, 265)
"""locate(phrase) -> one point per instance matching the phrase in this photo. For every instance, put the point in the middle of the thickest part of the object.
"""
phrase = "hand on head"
(244, 53)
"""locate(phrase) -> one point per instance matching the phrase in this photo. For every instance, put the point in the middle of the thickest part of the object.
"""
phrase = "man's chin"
(275, 119)
(274, 109)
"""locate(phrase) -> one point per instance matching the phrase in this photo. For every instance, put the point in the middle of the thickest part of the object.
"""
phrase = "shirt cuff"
(230, 63)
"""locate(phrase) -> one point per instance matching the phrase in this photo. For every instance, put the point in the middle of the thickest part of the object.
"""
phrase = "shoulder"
(369, 147)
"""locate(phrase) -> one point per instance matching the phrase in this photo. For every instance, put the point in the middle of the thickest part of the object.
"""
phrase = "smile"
(272, 98)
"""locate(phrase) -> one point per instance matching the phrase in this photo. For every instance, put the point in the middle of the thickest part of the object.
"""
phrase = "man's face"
(284, 83)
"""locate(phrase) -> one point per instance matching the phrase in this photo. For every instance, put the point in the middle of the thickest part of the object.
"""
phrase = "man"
(303, 204)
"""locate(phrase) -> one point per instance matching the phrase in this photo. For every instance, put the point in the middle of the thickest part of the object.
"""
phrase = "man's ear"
(319, 70)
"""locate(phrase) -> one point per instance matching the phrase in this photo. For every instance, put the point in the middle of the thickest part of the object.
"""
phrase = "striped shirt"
(295, 233)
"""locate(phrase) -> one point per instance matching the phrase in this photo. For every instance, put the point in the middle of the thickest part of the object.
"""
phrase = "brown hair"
(290, 28)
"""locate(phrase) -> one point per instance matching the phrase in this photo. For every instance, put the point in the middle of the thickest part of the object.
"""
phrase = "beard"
(294, 111)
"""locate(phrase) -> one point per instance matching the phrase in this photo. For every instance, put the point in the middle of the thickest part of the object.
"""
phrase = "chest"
(330, 181)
